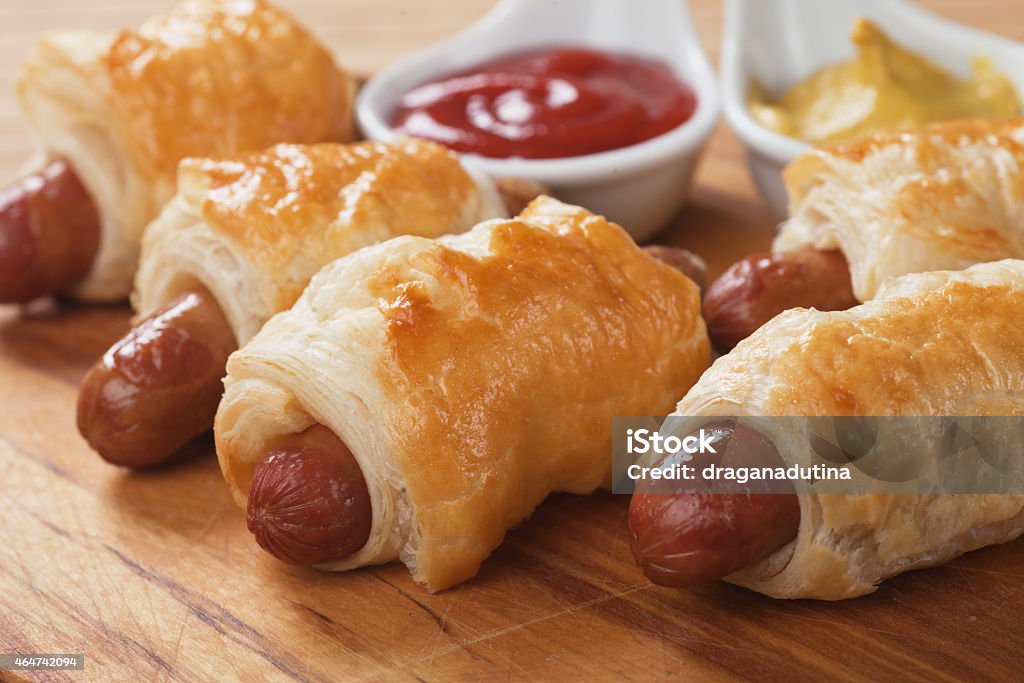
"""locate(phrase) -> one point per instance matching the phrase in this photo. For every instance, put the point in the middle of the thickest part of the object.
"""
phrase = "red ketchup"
(547, 104)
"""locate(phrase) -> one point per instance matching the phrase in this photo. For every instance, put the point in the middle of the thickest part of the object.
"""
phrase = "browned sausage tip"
(756, 289)
(691, 538)
(158, 388)
(308, 501)
(49, 234)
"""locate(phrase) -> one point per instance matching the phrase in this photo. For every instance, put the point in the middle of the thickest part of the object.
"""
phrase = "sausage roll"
(943, 197)
(470, 376)
(254, 227)
(210, 77)
(940, 343)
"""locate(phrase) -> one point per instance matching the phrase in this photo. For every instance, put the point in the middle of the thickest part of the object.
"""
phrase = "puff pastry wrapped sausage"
(210, 77)
(469, 376)
(238, 243)
(254, 227)
(943, 197)
(941, 343)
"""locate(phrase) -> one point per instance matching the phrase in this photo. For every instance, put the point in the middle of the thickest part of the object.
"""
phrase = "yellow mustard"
(883, 88)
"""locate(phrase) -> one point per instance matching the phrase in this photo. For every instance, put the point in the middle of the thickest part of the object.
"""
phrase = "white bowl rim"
(735, 80)
(577, 170)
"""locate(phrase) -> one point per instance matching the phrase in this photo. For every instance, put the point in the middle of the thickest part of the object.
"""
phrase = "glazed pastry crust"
(254, 227)
(939, 343)
(210, 77)
(471, 376)
(944, 197)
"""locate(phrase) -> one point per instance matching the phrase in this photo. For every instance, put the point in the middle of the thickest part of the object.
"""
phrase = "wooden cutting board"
(154, 577)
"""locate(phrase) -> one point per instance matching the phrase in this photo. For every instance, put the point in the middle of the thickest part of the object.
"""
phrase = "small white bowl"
(778, 43)
(641, 186)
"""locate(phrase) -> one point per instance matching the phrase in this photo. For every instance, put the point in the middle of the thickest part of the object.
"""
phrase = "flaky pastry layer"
(944, 197)
(941, 343)
(471, 376)
(208, 78)
(254, 227)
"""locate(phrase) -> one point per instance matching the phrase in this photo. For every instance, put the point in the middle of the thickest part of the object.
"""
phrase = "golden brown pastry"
(943, 197)
(469, 376)
(254, 227)
(237, 244)
(941, 343)
(208, 78)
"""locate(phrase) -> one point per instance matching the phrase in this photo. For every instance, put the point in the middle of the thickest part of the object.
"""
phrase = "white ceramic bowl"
(642, 186)
(780, 42)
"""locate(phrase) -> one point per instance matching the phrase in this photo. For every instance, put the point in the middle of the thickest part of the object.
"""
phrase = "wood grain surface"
(154, 577)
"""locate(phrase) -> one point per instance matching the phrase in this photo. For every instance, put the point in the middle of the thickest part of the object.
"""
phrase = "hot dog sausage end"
(158, 388)
(308, 500)
(756, 289)
(49, 234)
(684, 539)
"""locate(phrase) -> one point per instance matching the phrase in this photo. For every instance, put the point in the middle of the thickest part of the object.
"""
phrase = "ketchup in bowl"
(546, 104)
